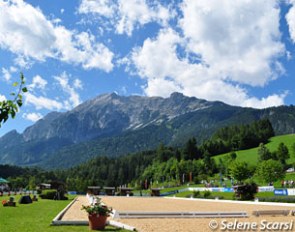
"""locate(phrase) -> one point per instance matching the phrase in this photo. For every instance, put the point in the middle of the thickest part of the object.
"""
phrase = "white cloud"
(161, 87)
(123, 90)
(290, 17)
(158, 62)
(103, 7)
(23, 62)
(7, 73)
(273, 100)
(38, 83)
(239, 40)
(39, 92)
(81, 48)
(74, 98)
(78, 84)
(40, 102)
(25, 31)
(126, 15)
(223, 48)
(34, 117)
(140, 14)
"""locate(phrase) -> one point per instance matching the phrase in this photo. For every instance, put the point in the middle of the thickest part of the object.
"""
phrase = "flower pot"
(97, 222)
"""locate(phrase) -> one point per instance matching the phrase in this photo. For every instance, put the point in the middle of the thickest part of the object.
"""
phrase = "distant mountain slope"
(115, 125)
(251, 155)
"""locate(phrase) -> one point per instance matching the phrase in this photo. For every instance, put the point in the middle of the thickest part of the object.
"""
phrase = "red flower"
(4, 202)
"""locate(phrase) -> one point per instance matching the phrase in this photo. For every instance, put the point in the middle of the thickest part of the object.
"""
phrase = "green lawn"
(224, 196)
(250, 156)
(36, 217)
(165, 190)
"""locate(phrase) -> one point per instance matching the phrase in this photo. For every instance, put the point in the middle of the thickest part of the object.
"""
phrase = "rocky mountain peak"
(110, 114)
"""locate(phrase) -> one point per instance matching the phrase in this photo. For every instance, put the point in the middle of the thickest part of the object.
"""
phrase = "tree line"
(165, 165)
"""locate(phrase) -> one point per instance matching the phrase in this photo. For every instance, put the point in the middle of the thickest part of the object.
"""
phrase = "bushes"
(196, 194)
(246, 192)
(207, 194)
(53, 195)
(48, 194)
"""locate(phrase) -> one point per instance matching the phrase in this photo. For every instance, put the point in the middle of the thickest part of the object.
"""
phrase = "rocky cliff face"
(110, 114)
(42, 129)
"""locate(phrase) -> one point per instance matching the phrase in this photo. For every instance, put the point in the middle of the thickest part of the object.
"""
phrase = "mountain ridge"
(133, 111)
(114, 125)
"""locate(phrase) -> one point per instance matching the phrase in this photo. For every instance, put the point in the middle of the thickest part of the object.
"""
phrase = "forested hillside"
(165, 165)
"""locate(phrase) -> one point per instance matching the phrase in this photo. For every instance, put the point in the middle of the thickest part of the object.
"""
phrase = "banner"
(223, 190)
(281, 192)
(228, 190)
(266, 189)
(291, 192)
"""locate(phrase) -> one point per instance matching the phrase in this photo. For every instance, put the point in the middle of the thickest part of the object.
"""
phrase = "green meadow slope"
(251, 155)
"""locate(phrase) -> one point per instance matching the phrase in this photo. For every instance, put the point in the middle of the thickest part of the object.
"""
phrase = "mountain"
(114, 125)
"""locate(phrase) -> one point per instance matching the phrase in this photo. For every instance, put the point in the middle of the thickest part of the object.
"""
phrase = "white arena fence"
(223, 190)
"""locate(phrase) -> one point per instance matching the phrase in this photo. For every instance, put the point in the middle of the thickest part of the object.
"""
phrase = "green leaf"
(9, 108)
(12, 113)
(19, 102)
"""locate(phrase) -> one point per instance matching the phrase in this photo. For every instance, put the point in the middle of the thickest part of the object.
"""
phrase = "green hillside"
(251, 155)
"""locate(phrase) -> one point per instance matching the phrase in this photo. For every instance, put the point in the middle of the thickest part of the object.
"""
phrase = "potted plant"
(97, 214)
(8, 203)
(4, 202)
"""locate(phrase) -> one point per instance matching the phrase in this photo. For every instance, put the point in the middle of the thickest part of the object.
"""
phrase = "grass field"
(224, 196)
(37, 217)
(251, 155)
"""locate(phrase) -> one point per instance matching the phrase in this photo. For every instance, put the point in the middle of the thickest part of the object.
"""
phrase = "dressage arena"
(181, 215)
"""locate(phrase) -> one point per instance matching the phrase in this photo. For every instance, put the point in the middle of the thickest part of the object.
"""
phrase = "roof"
(3, 181)
(126, 189)
(94, 187)
(109, 188)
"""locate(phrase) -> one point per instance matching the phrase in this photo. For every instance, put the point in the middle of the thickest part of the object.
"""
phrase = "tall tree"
(191, 150)
(282, 153)
(270, 170)
(164, 153)
(32, 183)
(263, 153)
(240, 171)
(233, 155)
(209, 164)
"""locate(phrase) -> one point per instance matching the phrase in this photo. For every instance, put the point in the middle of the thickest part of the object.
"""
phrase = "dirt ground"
(189, 205)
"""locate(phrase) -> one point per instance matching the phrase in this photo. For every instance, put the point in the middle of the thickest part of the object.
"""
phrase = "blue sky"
(239, 52)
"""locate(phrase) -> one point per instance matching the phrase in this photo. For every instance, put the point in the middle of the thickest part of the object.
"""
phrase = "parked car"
(290, 170)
